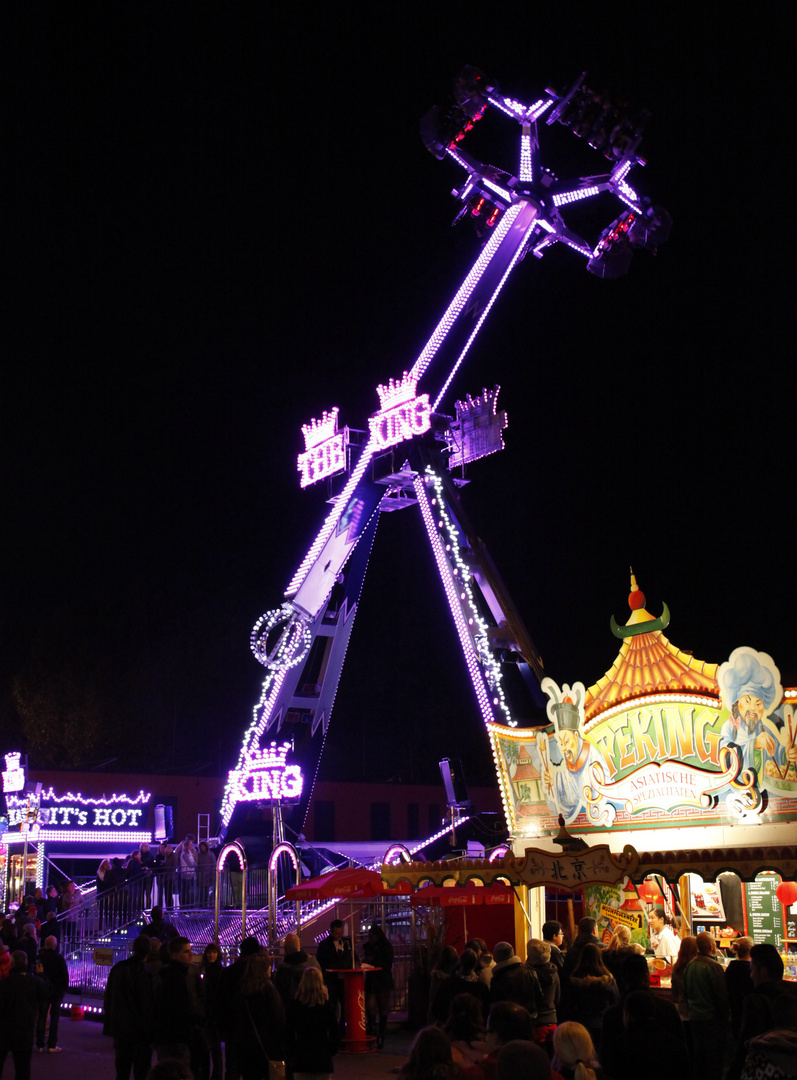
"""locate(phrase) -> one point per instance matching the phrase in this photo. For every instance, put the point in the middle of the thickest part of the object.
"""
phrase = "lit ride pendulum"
(303, 643)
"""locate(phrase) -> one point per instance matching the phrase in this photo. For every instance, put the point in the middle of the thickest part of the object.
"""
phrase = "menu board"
(763, 918)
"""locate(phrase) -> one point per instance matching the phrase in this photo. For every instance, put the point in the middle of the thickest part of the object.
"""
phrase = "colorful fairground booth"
(670, 783)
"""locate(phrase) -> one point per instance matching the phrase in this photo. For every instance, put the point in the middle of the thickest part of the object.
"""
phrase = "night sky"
(221, 221)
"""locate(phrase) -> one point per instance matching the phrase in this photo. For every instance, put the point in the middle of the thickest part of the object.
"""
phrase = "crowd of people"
(243, 1021)
(588, 1011)
(578, 1013)
(34, 976)
(169, 875)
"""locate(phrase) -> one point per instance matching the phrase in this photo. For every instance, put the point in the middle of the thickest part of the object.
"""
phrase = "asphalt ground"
(87, 1054)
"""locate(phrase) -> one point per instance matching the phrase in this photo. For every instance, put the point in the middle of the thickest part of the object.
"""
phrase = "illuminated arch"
(283, 848)
(396, 849)
(233, 847)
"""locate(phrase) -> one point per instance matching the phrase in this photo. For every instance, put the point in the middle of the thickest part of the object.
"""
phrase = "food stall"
(691, 763)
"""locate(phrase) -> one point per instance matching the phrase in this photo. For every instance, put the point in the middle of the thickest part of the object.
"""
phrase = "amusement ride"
(413, 448)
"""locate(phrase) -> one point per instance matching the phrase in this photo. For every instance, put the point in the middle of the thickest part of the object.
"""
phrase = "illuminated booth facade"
(690, 764)
(73, 830)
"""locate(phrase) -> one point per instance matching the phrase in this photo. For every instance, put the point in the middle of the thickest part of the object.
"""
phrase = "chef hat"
(750, 672)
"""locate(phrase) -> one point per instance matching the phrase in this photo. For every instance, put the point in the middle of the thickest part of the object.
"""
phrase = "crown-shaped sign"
(485, 402)
(269, 757)
(14, 775)
(318, 431)
(397, 391)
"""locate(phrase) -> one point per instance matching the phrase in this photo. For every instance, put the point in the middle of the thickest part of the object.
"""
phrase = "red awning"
(442, 896)
(355, 881)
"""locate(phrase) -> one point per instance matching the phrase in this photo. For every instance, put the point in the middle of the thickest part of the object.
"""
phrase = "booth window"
(324, 819)
(413, 821)
(380, 821)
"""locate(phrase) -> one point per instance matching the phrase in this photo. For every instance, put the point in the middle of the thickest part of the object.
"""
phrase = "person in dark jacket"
(758, 1009)
(312, 1028)
(446, 964)
(259, 1030)
(512, 980)
(294, 964)
(538, 958)
(52, 968)
(159, 927)
(22, 996)
(590, 990)
(335, 951)
(552, 933)
(506, 1022)
(463, 980)
(378, 952)
(228, 1002)
(211, 971)
(128, 1012)
(587, 935)
(29, 944)
(645, 1040)
(738, 979)
(636, 978)
(178, 1009)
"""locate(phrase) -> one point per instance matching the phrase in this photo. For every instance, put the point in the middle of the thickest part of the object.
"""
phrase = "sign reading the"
(324, 449)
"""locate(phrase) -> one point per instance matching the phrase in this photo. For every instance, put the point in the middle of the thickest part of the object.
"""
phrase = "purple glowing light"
(523, 218)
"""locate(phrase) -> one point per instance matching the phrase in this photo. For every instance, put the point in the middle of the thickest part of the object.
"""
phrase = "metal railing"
(99, 930)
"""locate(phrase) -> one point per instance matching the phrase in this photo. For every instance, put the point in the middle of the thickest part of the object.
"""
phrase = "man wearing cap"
(750, 688)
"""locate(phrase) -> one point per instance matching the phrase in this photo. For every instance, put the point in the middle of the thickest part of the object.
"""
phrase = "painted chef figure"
(566, 782)
(750, 687)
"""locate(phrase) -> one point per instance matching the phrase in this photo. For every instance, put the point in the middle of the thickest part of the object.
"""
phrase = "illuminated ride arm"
(302, 645)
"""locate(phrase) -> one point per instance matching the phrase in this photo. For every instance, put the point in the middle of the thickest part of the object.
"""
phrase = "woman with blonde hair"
(617, 952)
(574, 1055)
(312, 1029)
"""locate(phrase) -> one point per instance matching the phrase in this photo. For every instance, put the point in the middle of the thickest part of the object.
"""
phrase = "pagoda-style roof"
(648, 663)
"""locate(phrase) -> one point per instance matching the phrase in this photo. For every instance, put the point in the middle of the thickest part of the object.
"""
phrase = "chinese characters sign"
(574, 870)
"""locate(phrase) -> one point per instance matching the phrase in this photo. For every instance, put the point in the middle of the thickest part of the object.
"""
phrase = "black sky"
(222, 221)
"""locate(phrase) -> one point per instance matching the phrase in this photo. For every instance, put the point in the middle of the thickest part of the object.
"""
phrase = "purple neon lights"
(459, 303)
(525, 215)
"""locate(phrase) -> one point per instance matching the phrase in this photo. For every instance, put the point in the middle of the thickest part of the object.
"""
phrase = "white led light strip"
(482, 666)
(272, 685)
(525, 158)
(565, 197)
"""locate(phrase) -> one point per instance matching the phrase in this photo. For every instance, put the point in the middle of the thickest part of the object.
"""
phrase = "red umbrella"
(354, 881)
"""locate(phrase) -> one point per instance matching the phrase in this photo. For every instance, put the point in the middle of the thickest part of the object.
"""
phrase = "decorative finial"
(636, 598)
